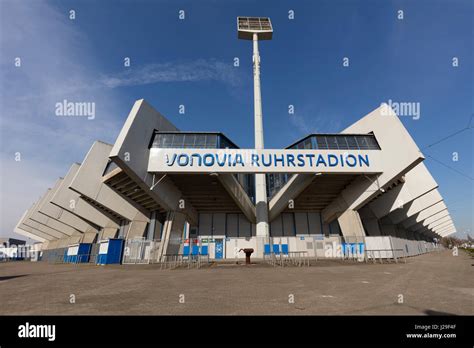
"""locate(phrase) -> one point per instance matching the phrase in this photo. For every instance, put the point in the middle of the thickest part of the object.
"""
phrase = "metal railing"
(173, 261)
(291, 258)
(375, 254)
(141, 251)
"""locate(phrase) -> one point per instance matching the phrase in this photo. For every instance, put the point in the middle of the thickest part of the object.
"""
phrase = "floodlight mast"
(249, 28)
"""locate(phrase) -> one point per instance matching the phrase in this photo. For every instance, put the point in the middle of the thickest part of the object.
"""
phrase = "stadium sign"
(263, 161)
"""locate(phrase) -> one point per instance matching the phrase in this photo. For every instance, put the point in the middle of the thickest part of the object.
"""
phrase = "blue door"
(219, 249)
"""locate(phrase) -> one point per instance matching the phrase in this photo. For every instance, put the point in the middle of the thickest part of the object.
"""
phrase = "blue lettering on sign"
(255, 160)
(320, 160)
(365, 161)
(208, 160)
(300, 158)
(219, 162)
(353, 161)
(238, 160)
(181, 162)
(199, 159)
(332, 160)
(280, 160)
(269, 163)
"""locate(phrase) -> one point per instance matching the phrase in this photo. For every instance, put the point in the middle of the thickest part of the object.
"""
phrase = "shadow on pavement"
(431, 312)
(12, 277)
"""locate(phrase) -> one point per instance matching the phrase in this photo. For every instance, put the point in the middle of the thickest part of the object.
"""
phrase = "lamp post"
(255, 29)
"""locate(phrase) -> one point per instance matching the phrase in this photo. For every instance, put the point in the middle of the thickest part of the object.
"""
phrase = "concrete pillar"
(351, 226)
(136, 229)
(108, 232)
(89, 237)
(150, 233)
(172, 234)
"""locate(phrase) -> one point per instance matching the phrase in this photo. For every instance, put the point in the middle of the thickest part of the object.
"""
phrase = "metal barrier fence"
(291, 258)
(375, 254)
(141, 251)
(182, 260)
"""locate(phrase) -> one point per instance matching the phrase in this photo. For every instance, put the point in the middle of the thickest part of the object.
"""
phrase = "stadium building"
(183, 189)
(160, 191)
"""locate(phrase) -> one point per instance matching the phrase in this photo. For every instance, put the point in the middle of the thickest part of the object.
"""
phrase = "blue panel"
(83, 252)
(276, 248)
(195, 249)
(219, 249)
(204, 250)
(186, 250)
(266, 249)
(114, 252)
(284, 249)
(361, 248)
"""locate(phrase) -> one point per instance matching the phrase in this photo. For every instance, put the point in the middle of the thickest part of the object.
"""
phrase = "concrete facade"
(113, 194)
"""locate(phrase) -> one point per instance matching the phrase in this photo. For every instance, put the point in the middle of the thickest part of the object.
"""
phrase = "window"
(342, 143)
(351, 142)
(189, 140)
(178, 140)
(200, 140)
(321, 141)
(332, 143)
(362, 142)
(211, 141)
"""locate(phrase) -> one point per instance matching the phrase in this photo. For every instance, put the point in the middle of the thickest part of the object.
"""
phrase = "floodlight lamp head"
(247, 26)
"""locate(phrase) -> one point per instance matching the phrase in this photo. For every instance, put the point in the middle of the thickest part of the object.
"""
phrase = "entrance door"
(219, 252)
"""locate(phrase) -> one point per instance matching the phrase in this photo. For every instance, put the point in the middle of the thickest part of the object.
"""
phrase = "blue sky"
(190, 62)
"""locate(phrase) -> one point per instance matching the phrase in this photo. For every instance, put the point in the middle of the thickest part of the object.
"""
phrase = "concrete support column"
(137, 229)
(351, 226)
(150, 234)
(172, 234)
(89, 237)
(109, 232)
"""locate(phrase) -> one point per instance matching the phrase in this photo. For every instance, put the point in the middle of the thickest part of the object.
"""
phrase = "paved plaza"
(435, 283)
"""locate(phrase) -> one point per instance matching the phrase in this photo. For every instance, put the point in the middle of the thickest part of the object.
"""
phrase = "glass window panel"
(307, 144)
(372, 142)
(189, 140)
(332, 143)
(200, 141)
(351, 142)
(211, 141)
(362, 142)
(321, 141)
(341, 142)
(167, 139)
(178, 140)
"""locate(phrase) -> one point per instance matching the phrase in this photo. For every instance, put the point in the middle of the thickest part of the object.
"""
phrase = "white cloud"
(56, 65)
(198, 70)
(309, 121)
